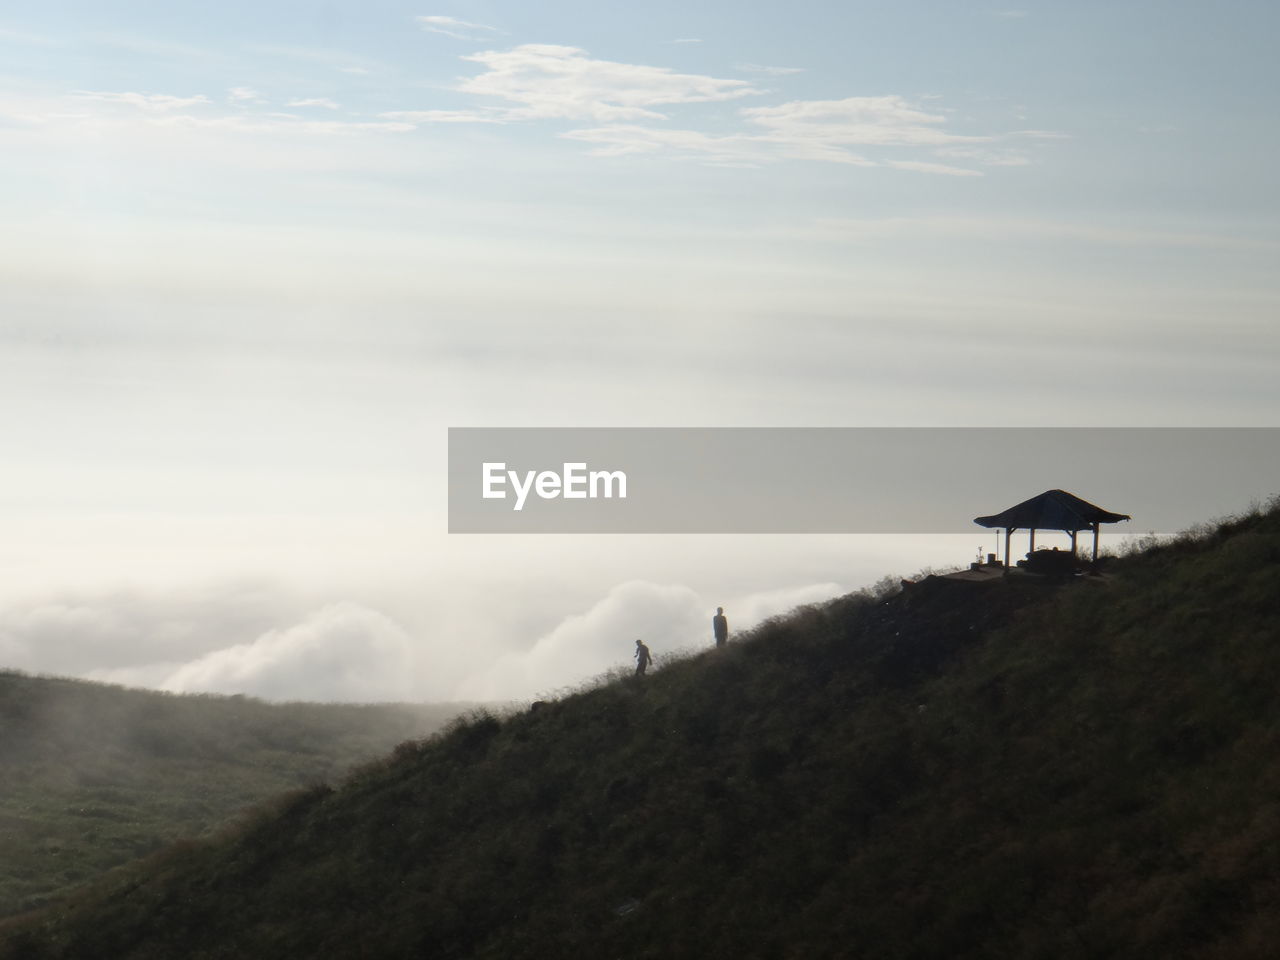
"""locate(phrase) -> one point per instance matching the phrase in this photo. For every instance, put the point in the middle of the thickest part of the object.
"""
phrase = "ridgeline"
(956, 771)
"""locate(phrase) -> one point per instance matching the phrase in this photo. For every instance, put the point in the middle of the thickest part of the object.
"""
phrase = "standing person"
(720, 627)
(643, 659)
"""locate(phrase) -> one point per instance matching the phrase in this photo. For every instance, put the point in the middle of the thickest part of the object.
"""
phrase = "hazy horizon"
(260, 258)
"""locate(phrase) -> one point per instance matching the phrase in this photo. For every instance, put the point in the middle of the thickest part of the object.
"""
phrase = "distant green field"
(92, 776)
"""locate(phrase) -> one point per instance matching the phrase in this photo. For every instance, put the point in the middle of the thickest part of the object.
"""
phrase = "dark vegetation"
(1014, 770)
(92, 776)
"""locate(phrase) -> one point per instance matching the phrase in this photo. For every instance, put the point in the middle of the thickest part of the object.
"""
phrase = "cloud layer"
(618, 108)
(822, 130)
(548, 81)
(670, 618)
(343, 652)
(351, 652)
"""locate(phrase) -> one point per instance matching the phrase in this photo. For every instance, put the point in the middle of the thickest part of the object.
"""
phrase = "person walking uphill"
(643, 659)
(720, 627)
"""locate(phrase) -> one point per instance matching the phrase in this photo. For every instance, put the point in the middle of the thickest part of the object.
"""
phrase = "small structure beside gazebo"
(1051, 510)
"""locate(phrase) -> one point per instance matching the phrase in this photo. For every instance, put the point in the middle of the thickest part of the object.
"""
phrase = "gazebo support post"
(1073, 543)
(1008, 532)
(1095, 541)
(1033, 541)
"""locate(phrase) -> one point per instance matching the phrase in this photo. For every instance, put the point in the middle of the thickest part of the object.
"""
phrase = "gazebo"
(1051, 510)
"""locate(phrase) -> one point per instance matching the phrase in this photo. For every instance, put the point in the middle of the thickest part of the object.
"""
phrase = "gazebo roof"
(1052, 510)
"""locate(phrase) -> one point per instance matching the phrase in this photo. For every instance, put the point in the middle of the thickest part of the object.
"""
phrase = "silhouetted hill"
(92, 775)
(1012, 770)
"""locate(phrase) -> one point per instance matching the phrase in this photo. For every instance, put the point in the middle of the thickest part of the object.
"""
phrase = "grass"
(995, 771)
(93, 776)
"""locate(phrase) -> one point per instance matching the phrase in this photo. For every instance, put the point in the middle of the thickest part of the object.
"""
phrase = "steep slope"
(1011, 770)
(92, 776)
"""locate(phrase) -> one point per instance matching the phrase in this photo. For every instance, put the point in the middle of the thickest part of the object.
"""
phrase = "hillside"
(1013, 770)
(92, 776)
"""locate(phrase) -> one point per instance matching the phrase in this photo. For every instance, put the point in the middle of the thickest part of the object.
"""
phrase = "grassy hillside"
(1010, 770)
(92, 776)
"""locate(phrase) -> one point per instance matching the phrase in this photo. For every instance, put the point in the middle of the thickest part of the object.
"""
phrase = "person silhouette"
(643, 658)
(720, 627)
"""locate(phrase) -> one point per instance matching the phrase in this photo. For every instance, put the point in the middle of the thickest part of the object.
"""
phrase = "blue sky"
(260, 256)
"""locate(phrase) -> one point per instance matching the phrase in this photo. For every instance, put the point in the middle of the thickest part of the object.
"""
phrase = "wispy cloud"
(458, 29)
(151, 47)
(624, 106)
(549, 82)
(845, 131)
(285, 123)
(173, 112)
(557, 82)
(616, 140)
(334, 59)
(686, 40)
(767, 71)
(923, 166)
(986, 157)
(440, 116)
(854, 121)
(150, 102)
(315, 102)
(553, 81)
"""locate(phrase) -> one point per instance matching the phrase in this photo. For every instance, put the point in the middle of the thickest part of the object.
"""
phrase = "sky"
(258, 258)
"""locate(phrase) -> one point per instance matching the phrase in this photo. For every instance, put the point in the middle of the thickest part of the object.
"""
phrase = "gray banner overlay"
(844, 480)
